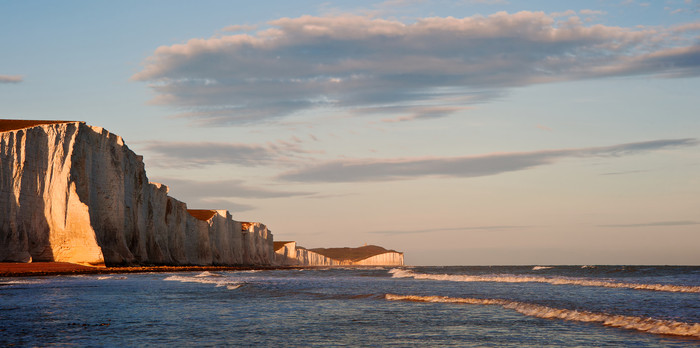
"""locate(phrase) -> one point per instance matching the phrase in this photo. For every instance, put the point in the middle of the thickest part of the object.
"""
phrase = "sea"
(497, 306)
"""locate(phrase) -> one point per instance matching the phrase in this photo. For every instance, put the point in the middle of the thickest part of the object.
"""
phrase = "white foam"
(23, 281)
(650, 325)
(506, 278)
(207, 274)
(104, 277)
(537, 268)
(218, 281)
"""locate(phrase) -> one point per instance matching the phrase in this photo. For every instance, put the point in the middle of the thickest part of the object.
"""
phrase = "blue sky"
(460, 132)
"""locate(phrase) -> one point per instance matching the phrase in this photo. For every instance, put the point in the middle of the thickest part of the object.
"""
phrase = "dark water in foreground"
(407, 306)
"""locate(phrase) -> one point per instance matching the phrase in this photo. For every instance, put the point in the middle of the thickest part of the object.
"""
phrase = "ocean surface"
(560, 306)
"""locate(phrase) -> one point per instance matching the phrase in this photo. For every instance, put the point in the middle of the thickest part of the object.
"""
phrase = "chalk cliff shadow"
(31, 210)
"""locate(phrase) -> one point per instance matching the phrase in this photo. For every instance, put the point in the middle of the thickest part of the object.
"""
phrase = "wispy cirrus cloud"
(211, 153)
(655, 224)
(410, 113)
(217, 203)
(11, 78)
(354, 62)
(451, 229)
(625, 172)
(232, 193)
(467, 166)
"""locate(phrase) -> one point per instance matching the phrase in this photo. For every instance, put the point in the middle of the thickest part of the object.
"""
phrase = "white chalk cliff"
(288, 253)
(76, 193)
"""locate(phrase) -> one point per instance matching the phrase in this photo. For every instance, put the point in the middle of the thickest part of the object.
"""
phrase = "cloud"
(689, 8)
(626, 172)
(210, 153)
(633, 2)
(592, 12)
(354, 62)
(466, 166)
(209, 194)
(208, 203)
(411, 113)
(686, 27)
(11, 79)
(448, 229)
(544, 128)
(656, 224)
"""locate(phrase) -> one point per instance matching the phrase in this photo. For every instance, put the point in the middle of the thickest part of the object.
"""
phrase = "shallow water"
(407, 306)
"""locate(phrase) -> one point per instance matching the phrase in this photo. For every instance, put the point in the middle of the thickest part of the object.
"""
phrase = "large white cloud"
(359, 62)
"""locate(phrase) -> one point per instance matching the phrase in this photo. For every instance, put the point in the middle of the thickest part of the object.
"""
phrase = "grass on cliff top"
(202, 214)
(351, 254)
(279, 245)
(10, 125)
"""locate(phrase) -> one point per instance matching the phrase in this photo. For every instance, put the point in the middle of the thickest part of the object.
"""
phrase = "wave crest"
(650, 325)
(208, 274)
(207, 279)
(400, 273)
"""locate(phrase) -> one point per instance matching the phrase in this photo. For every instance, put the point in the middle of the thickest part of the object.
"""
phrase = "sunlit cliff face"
(77, 193)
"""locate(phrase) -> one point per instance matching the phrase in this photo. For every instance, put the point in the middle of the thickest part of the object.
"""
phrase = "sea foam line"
(207, 278)
(400, 273)
(650, 325)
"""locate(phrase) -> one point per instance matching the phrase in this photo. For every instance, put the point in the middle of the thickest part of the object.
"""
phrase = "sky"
(459, 132)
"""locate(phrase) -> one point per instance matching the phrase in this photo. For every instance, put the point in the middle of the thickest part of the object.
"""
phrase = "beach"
(19, 269)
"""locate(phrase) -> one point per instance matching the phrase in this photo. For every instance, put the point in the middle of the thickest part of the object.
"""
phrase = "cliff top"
(202, 214)
(280, 245)
(352, 254)
(10, 125)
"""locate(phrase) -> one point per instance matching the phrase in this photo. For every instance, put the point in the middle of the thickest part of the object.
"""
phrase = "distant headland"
(71, 192)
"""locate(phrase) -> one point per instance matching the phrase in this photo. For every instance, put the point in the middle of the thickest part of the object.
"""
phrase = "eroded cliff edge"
(76, 193)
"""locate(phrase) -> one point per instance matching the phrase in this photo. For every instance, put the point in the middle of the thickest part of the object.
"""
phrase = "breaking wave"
(208, 274)
(401, 273)
(23, 281)
(210, 278)
(537, 268)
(650, 325)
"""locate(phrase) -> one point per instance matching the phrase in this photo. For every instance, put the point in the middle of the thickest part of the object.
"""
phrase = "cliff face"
(391, 258)
(286, 253)
(369, 255)
(42, 214)
(306, 257)
(258, 244)
(76, 193)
